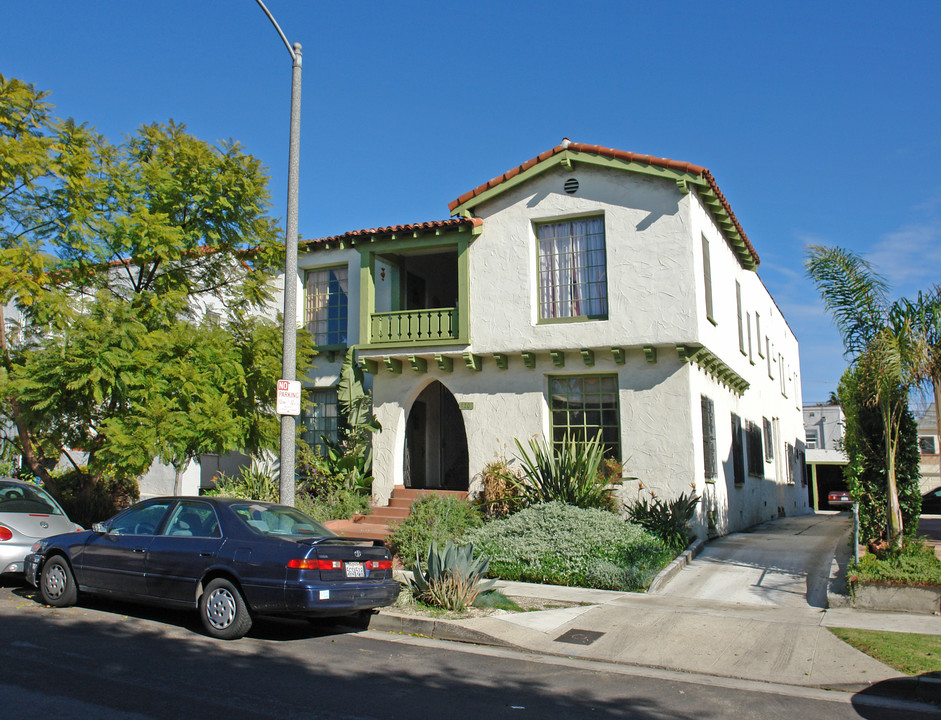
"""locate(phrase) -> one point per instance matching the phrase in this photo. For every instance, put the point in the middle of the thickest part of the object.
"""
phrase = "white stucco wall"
(649, 273)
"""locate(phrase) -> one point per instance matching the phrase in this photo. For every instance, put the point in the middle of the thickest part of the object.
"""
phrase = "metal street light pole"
(289, 341)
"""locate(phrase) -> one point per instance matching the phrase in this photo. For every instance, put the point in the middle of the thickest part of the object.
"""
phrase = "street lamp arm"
(277, 27)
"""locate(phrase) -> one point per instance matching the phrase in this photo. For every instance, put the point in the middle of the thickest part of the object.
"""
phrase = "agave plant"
(453, 577)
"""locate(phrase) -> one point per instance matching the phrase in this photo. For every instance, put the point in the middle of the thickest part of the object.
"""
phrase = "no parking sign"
(289, 397)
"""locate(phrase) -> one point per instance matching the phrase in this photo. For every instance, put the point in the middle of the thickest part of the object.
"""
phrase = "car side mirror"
(99, 528)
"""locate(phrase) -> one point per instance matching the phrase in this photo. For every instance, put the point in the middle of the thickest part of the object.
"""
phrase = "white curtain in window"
(572, 275)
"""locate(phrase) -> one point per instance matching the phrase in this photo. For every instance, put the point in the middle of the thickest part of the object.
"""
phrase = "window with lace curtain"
(327, 305)
(572, 269)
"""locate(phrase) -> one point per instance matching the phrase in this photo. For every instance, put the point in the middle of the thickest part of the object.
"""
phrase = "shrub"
(669, 521)
(254, 483)
(564, 545)
(433, 517)
(498, 497)
(913, 564)
(334, 504)
(569, 473)
(86, 502)
(453, 578)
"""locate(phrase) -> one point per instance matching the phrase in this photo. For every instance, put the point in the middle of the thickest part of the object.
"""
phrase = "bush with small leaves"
(564, 545)
(433, 517)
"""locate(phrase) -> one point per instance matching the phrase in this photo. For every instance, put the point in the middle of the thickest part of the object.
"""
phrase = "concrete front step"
(351, 528)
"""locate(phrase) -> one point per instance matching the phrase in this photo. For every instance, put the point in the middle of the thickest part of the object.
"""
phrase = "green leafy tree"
(143, 274)
(865, 472)
(886, 347)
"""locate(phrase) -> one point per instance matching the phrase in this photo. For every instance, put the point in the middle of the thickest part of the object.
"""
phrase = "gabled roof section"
(685, 175)
(395, 232)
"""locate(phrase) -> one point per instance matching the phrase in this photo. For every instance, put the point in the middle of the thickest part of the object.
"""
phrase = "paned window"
(761, 353)
(707, 278)
(322, 419)
(738, 310)
(926, 445)
(583, 405)
(812, 436)
(328, 305)
(769, 440)
(738, 451)
(709, 456)
(756, 461)
(572, 269)
(751, 355)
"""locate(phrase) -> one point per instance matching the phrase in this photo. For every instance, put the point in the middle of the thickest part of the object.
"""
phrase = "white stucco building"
(586, 290)
(824, 426)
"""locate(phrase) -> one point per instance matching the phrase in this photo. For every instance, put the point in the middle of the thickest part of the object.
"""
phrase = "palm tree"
(884, 341)
(925, 313)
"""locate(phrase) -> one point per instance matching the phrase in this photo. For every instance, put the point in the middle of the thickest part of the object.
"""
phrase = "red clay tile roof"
(424, 227)
(619, 155)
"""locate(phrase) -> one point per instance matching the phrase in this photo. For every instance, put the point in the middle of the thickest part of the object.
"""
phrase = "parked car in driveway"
(931, 502)
(27, 513)
(231, 559)
(839, 498)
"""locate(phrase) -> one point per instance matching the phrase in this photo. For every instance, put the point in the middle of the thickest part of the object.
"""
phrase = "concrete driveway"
(782, 563)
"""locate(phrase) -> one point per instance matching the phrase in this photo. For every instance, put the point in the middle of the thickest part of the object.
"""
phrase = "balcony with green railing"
(414, 327)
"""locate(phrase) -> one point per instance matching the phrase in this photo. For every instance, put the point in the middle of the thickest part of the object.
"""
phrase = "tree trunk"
(894, 510)
(936, 384)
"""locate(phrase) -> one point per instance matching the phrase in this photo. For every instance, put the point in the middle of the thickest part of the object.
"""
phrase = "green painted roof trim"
(684, 181)
(712, 365)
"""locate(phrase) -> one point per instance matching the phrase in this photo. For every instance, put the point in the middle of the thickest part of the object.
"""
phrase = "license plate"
(354, 569)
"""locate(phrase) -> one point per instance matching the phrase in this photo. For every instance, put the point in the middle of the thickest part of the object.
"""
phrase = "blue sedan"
(231, 559)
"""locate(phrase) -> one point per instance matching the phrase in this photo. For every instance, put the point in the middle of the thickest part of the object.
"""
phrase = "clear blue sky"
(820, 121)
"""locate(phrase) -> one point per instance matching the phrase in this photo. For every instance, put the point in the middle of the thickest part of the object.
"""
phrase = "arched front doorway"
(435, 442)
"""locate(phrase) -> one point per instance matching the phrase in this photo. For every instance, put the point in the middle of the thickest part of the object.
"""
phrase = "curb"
(680, 562)
(392, 622)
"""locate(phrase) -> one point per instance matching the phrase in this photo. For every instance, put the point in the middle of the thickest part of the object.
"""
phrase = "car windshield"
(279, 521)
(26, 498)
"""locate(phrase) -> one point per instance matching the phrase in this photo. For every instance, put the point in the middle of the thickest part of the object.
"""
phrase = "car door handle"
(205, 554)
(139, 550)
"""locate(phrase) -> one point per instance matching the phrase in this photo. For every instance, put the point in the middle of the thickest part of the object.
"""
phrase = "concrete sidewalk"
(787, 644)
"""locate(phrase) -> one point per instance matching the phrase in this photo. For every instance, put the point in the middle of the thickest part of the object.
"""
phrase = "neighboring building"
(824, 425)
(929, 448)
(586, 290)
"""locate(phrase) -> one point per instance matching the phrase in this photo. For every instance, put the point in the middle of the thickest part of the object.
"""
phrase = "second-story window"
(573, 279)
(327, 305)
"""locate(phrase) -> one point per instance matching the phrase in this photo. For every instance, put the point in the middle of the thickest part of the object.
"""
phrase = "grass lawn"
(909, 653)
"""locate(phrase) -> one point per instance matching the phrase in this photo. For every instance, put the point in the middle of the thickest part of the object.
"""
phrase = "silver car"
(27, 514)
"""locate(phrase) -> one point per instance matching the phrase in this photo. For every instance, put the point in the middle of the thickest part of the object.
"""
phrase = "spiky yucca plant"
(567, 473)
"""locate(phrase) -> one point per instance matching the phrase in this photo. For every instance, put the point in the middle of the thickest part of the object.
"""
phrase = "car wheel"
(57, 584)
(223, 611)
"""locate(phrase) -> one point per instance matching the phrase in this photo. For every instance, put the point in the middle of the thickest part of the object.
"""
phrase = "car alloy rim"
(55, 581)
(220, 608)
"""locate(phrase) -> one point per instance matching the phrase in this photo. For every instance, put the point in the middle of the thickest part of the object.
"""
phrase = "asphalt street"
(113, 660)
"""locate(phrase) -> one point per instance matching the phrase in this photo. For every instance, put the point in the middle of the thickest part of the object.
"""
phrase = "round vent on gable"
(571, 186)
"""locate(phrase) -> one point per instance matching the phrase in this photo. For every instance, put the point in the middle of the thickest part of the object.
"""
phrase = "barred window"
(738, 451)
(583, 405)
(756, 462)
(710, 462)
